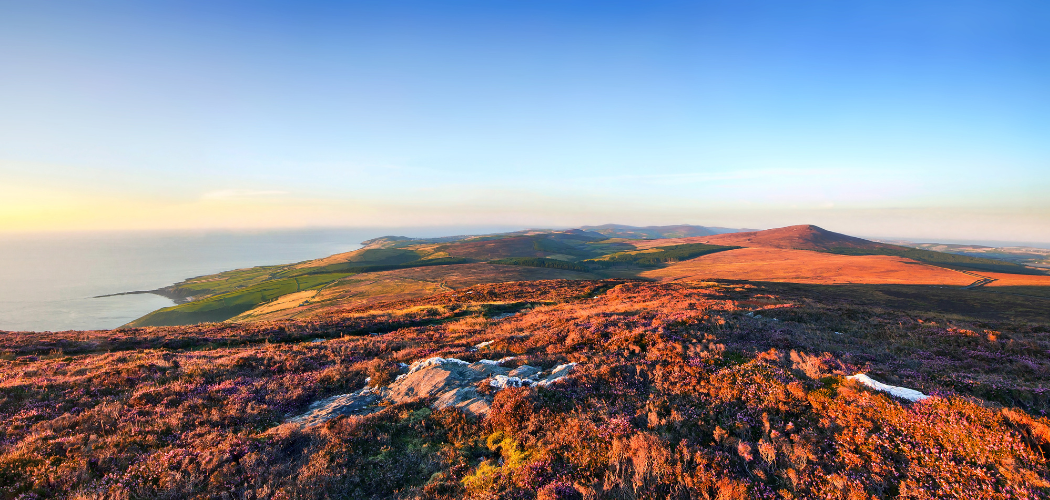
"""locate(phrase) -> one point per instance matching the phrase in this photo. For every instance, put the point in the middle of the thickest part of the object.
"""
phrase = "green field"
(222, 296)
(224, 306)
(224, 282)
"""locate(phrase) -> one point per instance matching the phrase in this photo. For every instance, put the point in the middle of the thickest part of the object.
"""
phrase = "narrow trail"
(981, 280)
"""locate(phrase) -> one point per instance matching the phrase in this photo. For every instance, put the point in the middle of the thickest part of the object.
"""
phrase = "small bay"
(52, 282)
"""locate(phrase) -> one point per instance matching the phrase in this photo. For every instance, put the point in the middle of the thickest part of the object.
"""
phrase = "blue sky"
(918, 119)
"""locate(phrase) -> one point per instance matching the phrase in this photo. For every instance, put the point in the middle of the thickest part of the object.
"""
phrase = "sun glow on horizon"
(41, 210)
(140, 117)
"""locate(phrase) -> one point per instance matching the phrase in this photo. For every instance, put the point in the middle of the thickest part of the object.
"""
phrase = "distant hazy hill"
(810, 237)
(654, 232)
(589, 252)
(802, 237)
(1023, 255)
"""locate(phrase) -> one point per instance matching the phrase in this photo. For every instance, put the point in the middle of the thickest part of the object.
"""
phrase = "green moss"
(513, 454)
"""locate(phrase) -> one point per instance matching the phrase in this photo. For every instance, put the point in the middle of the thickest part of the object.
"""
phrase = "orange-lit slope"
(1015, 279)
(805, 237)
(804, 266)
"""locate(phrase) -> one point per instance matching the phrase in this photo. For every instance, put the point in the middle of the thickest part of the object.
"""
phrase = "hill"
(801, 237)
(231, 294)
(298, 289)
(809, 237)
(363, 290)
(552, 365)
(807, 266)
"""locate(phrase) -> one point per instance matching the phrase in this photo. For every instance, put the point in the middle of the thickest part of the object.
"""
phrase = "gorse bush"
(679, 393)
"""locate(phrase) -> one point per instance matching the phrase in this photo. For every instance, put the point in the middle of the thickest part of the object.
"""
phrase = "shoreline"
(167, 292)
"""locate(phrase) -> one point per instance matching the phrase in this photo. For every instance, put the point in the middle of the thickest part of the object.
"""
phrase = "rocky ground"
(444, 382)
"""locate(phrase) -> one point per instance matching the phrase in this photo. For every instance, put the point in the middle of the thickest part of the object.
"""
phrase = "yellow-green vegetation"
(437, 255)
(512, 456)
(223, 306)
(224, 282)
(219, 297)
(223, 296)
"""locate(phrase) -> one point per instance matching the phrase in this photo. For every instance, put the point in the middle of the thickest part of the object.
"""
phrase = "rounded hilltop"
(800, 237)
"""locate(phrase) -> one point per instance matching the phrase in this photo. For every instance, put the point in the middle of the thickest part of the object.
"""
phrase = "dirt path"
(981, 280)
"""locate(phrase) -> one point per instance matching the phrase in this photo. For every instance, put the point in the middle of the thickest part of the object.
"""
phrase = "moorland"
(679, 363)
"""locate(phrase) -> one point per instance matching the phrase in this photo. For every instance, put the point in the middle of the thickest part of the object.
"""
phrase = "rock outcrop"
(361, 402)
(895, 391)
(450, 382)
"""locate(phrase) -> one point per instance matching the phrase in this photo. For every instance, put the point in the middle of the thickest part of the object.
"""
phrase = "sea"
(54, 281)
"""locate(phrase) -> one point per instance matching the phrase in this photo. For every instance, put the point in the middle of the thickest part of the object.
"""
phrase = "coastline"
(168, 292)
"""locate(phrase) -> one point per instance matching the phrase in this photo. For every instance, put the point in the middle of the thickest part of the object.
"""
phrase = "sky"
(920, 119)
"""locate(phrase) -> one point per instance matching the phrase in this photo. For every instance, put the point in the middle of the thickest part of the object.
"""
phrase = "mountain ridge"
(657, 232)
(569, 254)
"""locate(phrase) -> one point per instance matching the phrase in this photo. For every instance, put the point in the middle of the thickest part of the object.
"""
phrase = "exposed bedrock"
(450, 382)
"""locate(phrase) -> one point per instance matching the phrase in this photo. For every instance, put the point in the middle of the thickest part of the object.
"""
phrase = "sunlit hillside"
(790, 363)
(687, 389)
(407, 267)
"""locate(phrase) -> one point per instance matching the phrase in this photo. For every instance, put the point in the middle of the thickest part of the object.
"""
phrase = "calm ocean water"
(47, 282)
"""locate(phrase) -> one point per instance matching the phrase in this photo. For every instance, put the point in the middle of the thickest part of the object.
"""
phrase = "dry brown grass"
(792, 237)
(338, 258)
(516, 246)
(804, 266)
(367, 289)
(270, 310)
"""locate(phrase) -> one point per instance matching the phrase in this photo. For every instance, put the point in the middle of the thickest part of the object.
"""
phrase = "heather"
(683, 390)
(420, 267)
(384, 316)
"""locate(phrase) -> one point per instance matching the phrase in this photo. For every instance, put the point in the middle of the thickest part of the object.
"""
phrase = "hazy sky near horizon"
(898, 118)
